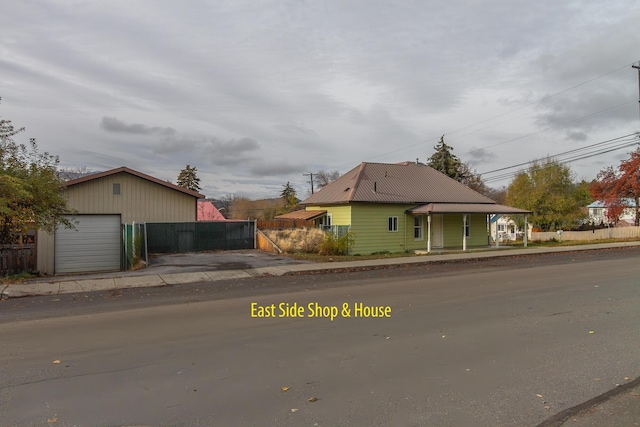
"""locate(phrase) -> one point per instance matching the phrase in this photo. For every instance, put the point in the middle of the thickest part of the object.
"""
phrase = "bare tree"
(324, 178)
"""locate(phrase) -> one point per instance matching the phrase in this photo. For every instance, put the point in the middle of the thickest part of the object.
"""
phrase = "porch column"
(497, 239)
(464, 232)
(526, 230)
(429, 233)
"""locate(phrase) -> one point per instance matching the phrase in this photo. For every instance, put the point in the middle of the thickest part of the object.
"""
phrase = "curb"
(168, 279)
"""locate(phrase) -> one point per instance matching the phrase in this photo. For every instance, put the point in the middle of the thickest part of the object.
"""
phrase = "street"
(491, 343)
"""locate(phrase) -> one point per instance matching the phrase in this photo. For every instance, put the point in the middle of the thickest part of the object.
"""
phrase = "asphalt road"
(499, 342)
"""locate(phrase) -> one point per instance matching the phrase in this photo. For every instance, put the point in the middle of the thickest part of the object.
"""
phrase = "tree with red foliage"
(614, 188)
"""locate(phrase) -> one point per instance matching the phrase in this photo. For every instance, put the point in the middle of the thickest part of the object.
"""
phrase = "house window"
(329, 220)
(500, 227)
(116, 189)
(417, 228)
(597, 212)
(392, 223)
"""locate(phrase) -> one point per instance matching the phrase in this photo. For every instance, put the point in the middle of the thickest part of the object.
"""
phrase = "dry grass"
(306, 240)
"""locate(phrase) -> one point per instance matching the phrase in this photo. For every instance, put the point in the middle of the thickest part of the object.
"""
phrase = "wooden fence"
(601, 234)
(16, 259)
(281, 224)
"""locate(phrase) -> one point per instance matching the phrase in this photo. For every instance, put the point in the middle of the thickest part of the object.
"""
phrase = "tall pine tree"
(445, 161)
(188, 178)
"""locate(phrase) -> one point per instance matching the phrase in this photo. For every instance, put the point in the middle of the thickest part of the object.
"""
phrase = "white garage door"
(93, 246)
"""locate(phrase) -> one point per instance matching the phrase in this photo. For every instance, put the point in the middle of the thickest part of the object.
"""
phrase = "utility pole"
(638, 68)
(310, 174)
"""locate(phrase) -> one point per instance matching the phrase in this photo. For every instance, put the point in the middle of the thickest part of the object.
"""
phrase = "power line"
(621, 143)
(547, 97)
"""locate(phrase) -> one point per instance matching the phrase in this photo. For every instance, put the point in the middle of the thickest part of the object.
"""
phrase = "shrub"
(332, 245)
(297, 239)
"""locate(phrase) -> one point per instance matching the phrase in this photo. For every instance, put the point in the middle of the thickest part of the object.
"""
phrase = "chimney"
(417, 162)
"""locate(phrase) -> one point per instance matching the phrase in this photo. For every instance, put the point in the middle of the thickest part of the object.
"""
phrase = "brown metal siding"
(140, 200)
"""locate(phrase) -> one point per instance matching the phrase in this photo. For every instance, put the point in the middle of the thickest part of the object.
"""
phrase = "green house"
(403, 207)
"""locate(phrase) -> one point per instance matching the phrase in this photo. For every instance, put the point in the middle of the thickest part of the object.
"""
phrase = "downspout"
(429, 233)
(526, 230)
(405, 232)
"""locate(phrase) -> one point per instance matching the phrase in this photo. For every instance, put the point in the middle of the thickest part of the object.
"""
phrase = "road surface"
(492, 343)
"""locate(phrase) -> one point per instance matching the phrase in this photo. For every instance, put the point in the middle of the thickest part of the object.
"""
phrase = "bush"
(332, 245)
(297, 239)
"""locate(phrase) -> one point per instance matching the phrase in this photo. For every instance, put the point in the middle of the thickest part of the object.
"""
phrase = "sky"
(255, 94)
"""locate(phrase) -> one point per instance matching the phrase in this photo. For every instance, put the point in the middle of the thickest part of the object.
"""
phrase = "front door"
(436, 231)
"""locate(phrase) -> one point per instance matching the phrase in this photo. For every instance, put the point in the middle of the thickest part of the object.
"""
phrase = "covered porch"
(464, 210)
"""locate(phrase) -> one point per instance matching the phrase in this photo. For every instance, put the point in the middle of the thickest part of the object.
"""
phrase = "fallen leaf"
(56, 362)
(547, 407)
(539, 395)
(52, 420)
(294, 409)
(444, 336)
(285, 388)
(592, 332)
(313, 399)
(627, 378)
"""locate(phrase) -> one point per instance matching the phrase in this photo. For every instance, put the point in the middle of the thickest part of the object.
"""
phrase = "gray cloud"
(276, 168)
(331, 85)
(112, 124)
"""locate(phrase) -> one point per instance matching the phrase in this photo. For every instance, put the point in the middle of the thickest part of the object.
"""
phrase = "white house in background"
(505, 227)
(598, 213)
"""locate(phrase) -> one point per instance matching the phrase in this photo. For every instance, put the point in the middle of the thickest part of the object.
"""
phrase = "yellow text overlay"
(317, 310)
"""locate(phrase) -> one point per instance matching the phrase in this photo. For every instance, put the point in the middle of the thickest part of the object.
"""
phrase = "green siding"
(369, 224)
(340, 215)
(453, 229)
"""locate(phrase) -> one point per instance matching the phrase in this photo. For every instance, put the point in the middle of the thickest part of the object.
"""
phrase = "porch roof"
(302, 214)
(467, 208)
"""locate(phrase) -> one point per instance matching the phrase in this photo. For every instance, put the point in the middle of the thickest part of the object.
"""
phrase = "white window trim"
(392, 224)
(418, 227)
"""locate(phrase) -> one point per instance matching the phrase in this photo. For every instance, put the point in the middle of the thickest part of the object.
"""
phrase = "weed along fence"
(601, 234)
(134, 238)
(280, 224)
(16, 259)
(176, 237)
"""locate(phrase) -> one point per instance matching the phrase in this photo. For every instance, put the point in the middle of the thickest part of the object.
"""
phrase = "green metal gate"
(176, 237)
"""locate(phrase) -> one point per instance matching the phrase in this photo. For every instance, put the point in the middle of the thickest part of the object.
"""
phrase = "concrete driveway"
(215, 261)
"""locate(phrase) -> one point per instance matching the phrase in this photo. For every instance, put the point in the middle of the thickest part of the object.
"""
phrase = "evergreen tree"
(188, 178)
(289, 196)
(445, 161)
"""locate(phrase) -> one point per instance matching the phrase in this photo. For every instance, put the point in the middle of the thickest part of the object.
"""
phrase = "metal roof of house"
(132, 172)
(405, 182)
(301, 214)
(631, 203)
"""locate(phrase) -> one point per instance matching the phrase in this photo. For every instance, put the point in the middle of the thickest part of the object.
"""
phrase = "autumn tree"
(548, 191)
(445, 161)
(616, 188)
(188, 178)
(30, 188)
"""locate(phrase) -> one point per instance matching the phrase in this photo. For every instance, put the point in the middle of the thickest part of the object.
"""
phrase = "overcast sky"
(256, 93)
